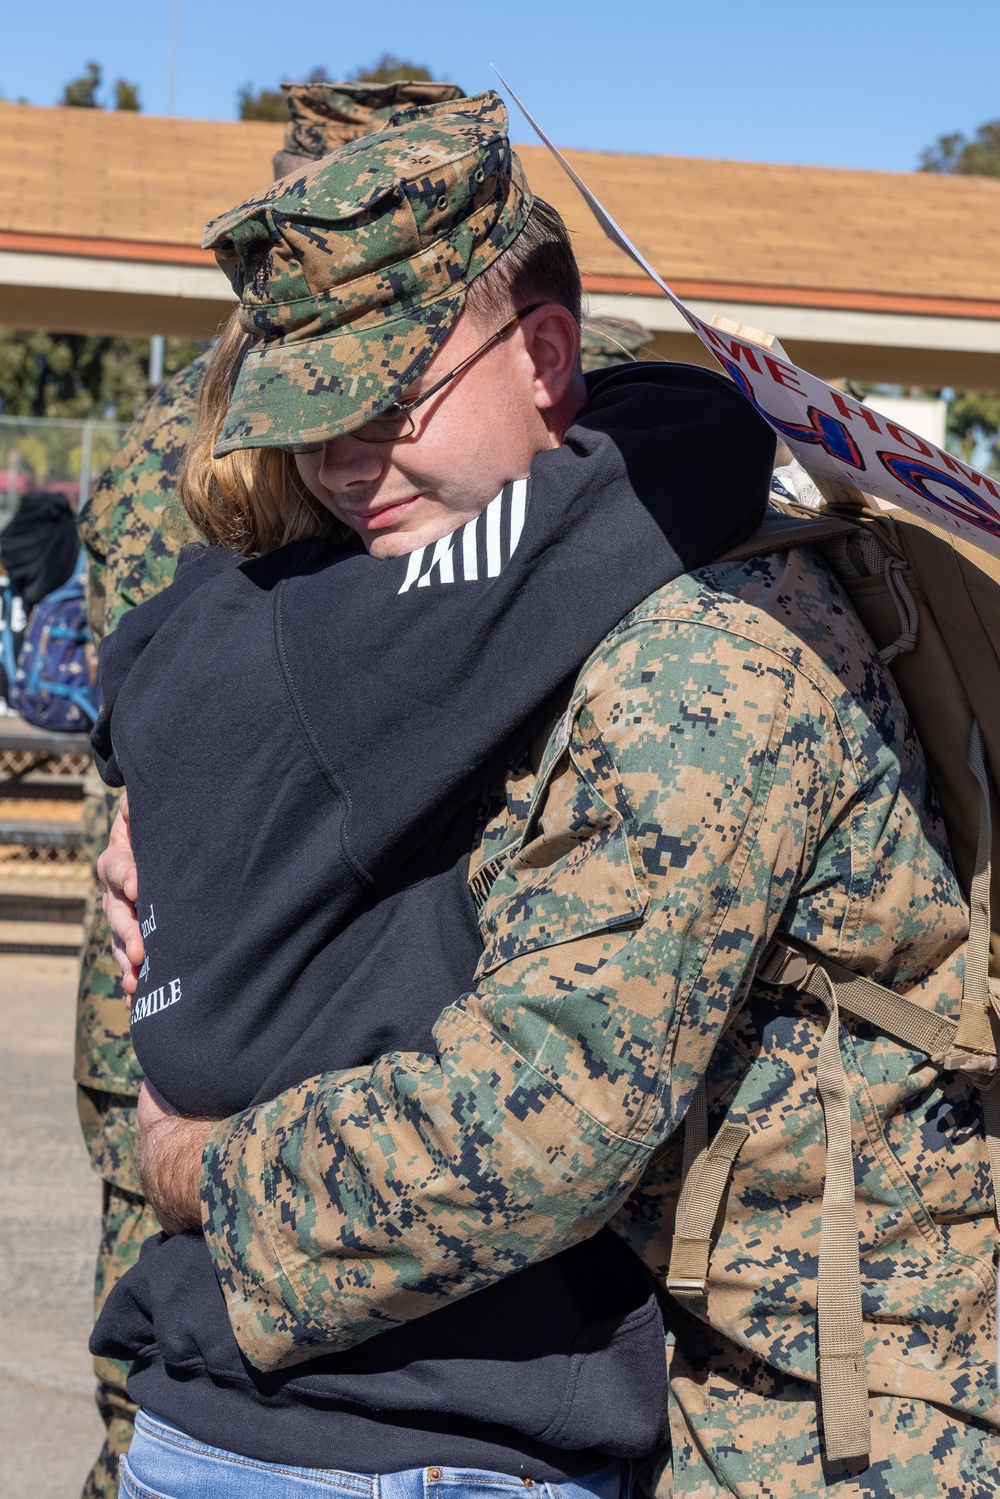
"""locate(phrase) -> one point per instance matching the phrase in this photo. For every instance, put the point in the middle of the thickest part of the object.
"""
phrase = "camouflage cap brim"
(352, 272)
(310, 392)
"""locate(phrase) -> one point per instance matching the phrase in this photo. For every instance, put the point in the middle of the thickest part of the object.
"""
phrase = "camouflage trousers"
(740, 1428)
(108, 1079)
(108, 1122)
(105, 1062)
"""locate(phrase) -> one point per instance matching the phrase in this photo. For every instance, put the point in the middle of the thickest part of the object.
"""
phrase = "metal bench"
(25, 750)
(43, 868)
(42, 833)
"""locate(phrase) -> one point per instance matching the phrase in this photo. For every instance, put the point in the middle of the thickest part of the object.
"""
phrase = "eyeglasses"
(396, 423)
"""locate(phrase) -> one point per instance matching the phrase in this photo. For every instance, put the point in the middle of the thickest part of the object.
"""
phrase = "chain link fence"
(42, 853)
(54, 454)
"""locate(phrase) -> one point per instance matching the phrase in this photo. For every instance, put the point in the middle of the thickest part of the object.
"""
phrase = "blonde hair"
(252, 500)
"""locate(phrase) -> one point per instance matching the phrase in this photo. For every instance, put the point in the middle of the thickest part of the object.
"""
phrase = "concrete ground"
(50, 1432)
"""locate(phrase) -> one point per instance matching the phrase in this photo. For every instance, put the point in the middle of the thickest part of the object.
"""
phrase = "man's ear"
(552, 341)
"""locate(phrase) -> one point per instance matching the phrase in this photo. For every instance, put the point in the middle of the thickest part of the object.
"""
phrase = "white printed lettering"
(156, 1000)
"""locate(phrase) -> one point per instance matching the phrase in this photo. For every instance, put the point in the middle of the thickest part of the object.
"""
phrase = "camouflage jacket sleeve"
(690, 783)
(132, 526)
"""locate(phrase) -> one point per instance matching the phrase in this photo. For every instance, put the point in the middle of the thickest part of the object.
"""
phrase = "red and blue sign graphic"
(832, 436)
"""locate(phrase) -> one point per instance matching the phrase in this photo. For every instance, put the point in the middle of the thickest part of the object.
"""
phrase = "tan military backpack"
(931, 604)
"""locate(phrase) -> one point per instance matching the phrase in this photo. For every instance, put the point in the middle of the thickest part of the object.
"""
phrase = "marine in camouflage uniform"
(612, 340)
(133, 528)
(732, 763)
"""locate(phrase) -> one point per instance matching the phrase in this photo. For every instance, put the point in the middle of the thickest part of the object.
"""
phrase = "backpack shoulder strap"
(780, 533)
(787, 965)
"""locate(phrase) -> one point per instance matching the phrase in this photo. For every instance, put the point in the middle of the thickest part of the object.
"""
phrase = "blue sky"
(860, 83)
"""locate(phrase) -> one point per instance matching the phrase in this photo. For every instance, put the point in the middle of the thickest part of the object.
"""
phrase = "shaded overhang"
(877, 276)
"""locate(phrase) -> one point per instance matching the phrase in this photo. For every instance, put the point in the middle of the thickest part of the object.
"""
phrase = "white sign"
(831, 434)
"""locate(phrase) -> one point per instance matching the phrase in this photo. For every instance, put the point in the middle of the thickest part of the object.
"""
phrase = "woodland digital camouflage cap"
(353, 271)
(325, 116)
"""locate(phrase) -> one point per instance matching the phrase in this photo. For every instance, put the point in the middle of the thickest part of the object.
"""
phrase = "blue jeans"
(163, 1463)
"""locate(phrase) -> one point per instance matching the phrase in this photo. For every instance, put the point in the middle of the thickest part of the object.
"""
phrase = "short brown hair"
(538, 267)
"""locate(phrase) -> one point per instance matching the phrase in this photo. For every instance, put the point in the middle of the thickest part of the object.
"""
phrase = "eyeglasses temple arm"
(408, 406)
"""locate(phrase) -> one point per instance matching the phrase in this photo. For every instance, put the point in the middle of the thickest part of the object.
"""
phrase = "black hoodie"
(40, 546)
(304, 738)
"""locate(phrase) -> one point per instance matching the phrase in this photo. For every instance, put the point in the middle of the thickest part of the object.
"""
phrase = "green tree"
(973, 415)
(974, 419)
(957, 153)
(390, 69)
(81, 93)
(265, 104)
(127, 96)
(79, 375)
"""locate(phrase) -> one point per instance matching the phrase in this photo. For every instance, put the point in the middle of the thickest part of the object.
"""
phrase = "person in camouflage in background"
(131, 554)
(132, 531)
(605, 341)
(732, 763)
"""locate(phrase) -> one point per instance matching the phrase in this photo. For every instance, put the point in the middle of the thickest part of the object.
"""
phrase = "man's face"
(481, 431)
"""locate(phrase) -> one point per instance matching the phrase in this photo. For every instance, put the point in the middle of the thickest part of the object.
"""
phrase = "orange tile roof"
(754, 224)
(108, 174)
(143, 187)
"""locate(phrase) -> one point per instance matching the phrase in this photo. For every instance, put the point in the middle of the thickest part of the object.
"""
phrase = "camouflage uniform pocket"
(927, 1295)
(111, 1135)
(571, 876)
(892, 1164)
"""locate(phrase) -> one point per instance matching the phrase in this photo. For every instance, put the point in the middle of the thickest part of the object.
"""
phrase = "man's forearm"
(170, 1160)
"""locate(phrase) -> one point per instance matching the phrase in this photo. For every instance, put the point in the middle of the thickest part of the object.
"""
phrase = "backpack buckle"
(784, 966)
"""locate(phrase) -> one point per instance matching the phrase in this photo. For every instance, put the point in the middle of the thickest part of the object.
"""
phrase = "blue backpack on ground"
(56, 682)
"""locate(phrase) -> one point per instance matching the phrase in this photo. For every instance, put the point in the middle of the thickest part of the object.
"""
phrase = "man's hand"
(170, 1160)
(117, 873)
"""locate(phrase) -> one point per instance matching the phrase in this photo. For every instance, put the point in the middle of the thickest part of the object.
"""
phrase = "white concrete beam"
(202, 283)
(80, 293)
(815, 324)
